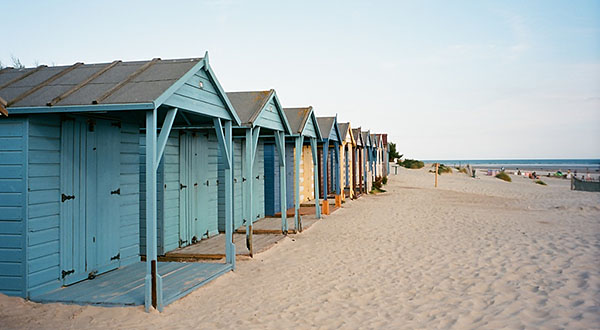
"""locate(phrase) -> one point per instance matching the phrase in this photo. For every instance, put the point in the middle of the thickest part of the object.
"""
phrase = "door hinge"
(181, 186)
(116, 192)
(243, 179)
(258, 177)
(234, 180)
(67, 272)
(181, 242)
(91, 124)
(117, 257)
(207, 182)
(66, 197)
(217, 182)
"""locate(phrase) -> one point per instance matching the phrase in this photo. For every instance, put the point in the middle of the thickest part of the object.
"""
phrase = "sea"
(579, 165)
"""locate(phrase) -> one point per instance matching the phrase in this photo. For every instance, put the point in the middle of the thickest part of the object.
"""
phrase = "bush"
(504, 176)
(540, 182)
(462, 170)
(443, 169)
(411, 163)
(384, 180)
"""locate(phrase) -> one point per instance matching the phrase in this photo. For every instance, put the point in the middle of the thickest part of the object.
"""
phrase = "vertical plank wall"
(13, 143)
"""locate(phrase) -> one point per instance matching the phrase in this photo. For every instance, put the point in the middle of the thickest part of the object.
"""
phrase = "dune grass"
(504, 176)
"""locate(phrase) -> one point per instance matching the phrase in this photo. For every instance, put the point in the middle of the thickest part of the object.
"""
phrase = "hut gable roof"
(357, 136)
(299, 118)
(346, 132)
(329, 128)
(366, 138)
(100, 86)
(253, 106)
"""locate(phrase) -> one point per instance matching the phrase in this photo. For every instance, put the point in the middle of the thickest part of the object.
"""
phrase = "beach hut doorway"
(90, 192)
(272, 179)
(193, 187)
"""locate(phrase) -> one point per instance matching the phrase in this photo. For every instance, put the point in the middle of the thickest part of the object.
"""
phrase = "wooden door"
(90, 172)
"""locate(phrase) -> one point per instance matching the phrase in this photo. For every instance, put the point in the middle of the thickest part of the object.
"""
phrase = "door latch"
(117, 257)
(181, 186)
(116, 192)
(67, 197)
(67, 272)
(92, 275)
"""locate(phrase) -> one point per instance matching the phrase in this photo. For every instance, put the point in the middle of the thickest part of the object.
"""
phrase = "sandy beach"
(473, 253)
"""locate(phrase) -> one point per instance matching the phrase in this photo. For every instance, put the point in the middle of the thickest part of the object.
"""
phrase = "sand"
(473, 253)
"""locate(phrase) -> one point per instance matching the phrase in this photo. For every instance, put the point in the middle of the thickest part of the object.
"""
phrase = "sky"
(444, 79)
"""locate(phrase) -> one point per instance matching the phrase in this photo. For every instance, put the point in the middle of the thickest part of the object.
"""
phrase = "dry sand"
(474, 253)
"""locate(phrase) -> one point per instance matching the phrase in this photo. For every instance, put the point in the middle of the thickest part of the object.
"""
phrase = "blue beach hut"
(329, 182)
(368, 160)
(70, 178)
(305, 132)
(358, 163)
(259, 146)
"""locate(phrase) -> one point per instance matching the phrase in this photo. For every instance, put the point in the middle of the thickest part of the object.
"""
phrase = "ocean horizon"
(592, 165)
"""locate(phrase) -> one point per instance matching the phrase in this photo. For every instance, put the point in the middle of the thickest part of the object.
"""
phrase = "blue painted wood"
(270, 117)
(125, 286)
(289, 163)
(271, 186)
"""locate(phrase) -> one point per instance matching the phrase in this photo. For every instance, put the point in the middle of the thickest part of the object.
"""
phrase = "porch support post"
(249, 155)
(326, 176)
(313, 147)
(299, 142)
(153, 281)
(280, 143)
(338, 176)
(365, 160)
(226, 145)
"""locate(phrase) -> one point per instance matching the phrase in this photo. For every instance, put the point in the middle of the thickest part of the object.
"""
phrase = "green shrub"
(411, 163)
(540, 182)
(504, 176)
(443, 169)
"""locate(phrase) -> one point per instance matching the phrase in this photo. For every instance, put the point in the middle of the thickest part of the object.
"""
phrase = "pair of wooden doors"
(193, 187)
(89, 184)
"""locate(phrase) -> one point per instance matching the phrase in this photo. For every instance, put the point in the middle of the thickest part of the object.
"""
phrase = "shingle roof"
(248, 104)
(297, 118)
(325, 125)
(356, 133)
(343, 129)
(84, 84)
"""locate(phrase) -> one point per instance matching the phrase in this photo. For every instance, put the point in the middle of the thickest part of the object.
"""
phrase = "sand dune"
(473, 253)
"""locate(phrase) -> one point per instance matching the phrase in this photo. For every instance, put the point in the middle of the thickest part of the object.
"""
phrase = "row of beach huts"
(107, 168)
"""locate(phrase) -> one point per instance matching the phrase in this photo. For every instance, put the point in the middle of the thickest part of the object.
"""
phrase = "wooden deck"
(304, 210)
(273, 225)
(125, 286)
(214, 248)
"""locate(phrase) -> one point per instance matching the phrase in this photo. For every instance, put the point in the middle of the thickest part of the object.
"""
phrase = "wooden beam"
(249, 156)
(81, 84)
(44, 83)
(255, 135)
(222, 143)
(164, 134)
(126, 81)
(3, 107)
(313, 147)
(23, 76)
(229, 245)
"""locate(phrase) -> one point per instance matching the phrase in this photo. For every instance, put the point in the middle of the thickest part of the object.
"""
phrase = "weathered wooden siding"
(310, 131)
(270, 118)
(43, 241)
(237, 187)
(258, 196)
(205, 99)
(307, 175)
(130, 195)
(13, 174)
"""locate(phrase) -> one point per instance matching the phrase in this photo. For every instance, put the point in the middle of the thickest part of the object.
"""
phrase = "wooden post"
(299, 142)
(248, 195)
(315, 157)
(437, 166)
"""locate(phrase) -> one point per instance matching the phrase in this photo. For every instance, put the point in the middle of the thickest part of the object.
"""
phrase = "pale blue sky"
(445, 79)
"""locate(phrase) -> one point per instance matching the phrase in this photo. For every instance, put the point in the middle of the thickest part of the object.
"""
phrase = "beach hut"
(386, 155)
(259, 158)
(358, 163)
(379, 155)
(346, 160)
(329, 171)
(305, 135)
(368, 162)
(70, 178)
